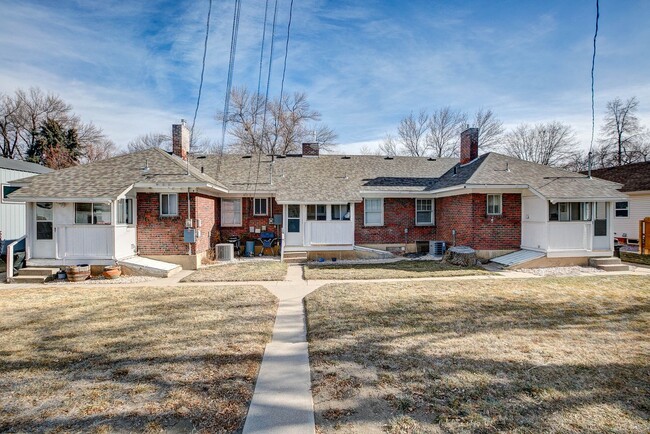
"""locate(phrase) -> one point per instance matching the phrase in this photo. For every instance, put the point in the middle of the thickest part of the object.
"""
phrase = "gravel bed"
(561, 271)
(376, 261)
(101, 280)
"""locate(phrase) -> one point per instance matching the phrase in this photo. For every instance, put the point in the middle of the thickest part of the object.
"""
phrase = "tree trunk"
(461, 255)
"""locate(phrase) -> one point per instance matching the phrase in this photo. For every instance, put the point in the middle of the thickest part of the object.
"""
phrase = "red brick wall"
(164, 235)
(248, 220)
(468, 215)
(399, 214)
(465, 213)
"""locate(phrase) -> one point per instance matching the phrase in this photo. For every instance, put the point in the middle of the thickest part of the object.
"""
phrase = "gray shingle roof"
(634, 177)
(109, 178)
(327, 178)
(22, 166)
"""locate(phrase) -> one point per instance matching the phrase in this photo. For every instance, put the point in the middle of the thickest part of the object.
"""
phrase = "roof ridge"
(185, 164)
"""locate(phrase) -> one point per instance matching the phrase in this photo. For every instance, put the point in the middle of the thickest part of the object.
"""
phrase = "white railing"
(282, 246)
(10, 259)
(329, 233)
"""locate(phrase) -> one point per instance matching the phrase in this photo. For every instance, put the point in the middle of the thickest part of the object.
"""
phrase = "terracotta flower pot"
(112, 272)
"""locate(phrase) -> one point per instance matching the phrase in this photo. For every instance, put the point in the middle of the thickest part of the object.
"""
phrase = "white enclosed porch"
(67, 233)
(318, 227)
(567, 228)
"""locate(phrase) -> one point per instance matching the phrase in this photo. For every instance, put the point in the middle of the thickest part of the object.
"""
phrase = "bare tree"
(389, 147)
(150, 140)
(443, 137)
(622, 135)
(550, 143)
(366, 149)
(412, 134)
(490, 129)
(277, 127)
(99, 150)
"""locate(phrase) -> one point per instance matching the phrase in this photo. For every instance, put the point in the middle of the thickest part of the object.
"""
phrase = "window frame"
(49, 220)
(4, 199)
(316, 208)
(626, 209)
(487, 204)
(266, 206)
(234, 224)
(92, 214)
(127, 212)
(432, 216)
(585, 211)
(168, 214)
(380, 212)
(341, 207)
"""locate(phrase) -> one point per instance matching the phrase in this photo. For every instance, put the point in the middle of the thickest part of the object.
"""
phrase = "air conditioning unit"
(437, 248)
(224, 252)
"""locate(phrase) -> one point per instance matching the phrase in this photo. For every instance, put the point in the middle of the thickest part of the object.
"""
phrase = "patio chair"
(268, 240)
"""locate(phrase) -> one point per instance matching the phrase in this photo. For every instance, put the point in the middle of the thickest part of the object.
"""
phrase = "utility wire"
(593, 110)
(231, 67)
(286, 50)
(205, 51)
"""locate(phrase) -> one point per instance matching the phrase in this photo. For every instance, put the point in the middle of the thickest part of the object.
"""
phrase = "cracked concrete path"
(282, 401)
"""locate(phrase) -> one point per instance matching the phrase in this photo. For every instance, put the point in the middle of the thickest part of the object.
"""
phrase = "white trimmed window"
(494, 204)
(424, 212)
(373, 212)
(260, 206)
(622, 209)
(341, 212)
(317, 212)
(125, 211)
(92, 213)
(6, 190)
(168, 204)
(230, 212)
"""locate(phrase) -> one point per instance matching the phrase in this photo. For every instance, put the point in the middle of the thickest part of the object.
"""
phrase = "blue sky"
(133, 67)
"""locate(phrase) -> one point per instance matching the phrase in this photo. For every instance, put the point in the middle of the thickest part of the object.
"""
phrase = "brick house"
(140, 204)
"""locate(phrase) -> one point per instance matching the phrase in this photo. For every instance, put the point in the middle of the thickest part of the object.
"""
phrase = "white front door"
(294, 226)
(44, 241)
(601, 227)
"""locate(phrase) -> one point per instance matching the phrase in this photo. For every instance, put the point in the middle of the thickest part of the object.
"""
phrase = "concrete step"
(29, 279)
(141, 266)
(614, 267)
(296, 260)
(38, 271)
(295, 254)
(595, 262)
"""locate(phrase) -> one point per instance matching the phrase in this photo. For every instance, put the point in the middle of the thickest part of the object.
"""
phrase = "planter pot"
(112, 272)
(78, 273)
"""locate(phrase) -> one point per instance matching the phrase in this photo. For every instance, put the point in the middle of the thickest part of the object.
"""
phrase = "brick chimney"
(468, 145)
(310, 149)
(181, 139)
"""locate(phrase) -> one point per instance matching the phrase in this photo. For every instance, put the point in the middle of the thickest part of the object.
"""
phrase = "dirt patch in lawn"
(388, 270)
(131, 359)
(541, 355)
(240, 272)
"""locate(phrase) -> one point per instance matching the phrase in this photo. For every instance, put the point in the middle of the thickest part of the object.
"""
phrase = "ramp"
(140, 266)
(518, 257)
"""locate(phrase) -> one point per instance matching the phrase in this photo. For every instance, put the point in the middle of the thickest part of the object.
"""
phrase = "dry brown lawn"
(389, 270)
(243, 271)
(562, 355)
(131, 359)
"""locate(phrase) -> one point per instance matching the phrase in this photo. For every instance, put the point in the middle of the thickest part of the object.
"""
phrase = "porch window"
(125, 211)
(622, 209)
(231, 212)
(168, 204)
(44, 221)
(373, 212)
(569, 211)
(316, 212)
(260, 206)
(494, 204)
(423, 212)
(341, 212)
(92, 213)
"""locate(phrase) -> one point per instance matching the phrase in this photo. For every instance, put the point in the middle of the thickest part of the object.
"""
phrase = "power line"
(593, 109)
(286, 50)
(231, 67)
(205, 51)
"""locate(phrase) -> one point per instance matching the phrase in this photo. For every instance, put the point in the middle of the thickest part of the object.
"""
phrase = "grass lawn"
(390, 270)
(130, 359)
(240, 272)
(541, 355)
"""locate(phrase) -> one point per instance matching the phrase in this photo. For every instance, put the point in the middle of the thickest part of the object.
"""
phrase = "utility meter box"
(277, 219)
(189, 236)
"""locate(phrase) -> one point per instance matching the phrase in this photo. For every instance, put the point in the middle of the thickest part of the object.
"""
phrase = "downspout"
(189, 215)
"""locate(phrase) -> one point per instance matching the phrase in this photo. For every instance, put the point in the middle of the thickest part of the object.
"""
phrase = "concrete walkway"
(282, 402)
